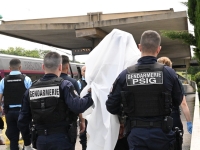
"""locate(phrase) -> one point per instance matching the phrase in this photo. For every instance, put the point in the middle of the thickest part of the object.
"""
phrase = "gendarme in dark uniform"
(147, 92)
(72, 116)
(47, 102)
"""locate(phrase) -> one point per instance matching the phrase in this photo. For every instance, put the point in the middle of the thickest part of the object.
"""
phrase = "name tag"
(15, 80)
(44, 92)
(144, 78)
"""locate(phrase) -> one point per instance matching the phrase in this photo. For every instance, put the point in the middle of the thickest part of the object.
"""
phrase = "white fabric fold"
(114, 53)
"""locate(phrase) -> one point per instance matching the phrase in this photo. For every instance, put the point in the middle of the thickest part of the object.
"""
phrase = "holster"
(167, 124)
(127, 129)
(34, 136)
(179, 139)
(72, 132)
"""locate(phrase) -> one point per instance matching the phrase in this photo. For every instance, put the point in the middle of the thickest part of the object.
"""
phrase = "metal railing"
(195, 144)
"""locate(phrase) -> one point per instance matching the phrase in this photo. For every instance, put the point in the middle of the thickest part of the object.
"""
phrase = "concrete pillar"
(73, 58)
(96, 41)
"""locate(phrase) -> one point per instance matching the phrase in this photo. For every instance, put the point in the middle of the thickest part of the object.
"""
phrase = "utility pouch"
(179, 139)
(167, 124)
(72, 132)
(127, 101)
(34, 136)
(121, 116)
(127, 129)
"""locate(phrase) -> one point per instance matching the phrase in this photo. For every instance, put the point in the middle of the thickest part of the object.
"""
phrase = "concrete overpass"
(85, 32)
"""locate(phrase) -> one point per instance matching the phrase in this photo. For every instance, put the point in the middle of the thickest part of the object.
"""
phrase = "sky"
(33, 9)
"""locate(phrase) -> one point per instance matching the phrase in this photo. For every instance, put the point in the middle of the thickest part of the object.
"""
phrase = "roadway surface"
(186, 137)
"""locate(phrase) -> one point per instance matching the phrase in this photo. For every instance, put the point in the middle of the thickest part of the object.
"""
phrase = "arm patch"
(73, 92)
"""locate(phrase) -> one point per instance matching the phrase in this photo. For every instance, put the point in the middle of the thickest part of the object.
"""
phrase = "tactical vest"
(83, 83)
(47, 102)
(14, 89)
(145, 94)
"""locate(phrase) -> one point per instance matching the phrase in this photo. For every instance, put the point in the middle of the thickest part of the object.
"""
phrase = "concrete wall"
(86, 18)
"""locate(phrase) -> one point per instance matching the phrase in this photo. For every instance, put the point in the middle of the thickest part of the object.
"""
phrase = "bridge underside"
(87, 31)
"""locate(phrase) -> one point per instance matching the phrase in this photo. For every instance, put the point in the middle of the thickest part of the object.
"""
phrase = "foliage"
(23, 52)
(193, 70)
(197, 24)
(185, 3)
(186, 37)
(194, 18)
(191, 11)
(197, 80)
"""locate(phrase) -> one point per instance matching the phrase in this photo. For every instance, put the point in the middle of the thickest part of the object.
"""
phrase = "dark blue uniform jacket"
(75, 104)
(170, 82)
(73, 81)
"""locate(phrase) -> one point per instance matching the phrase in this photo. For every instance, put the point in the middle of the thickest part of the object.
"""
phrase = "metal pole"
(73, 58)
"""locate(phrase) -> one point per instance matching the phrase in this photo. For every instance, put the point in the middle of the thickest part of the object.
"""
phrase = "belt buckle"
(151, 124)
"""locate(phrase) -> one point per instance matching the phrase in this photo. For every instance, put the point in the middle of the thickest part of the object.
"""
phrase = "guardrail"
(195, 144)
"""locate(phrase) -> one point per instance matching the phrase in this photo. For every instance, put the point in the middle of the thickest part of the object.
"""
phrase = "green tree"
(194, 18)
(23, 52)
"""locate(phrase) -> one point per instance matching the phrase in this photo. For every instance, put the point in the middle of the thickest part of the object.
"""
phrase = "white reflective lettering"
(152, 80)
(135, 81)
(44, 92)
(142, 81)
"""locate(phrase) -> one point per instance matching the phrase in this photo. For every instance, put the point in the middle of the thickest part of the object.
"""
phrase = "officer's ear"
(158, 50)
(60, 67)
(140, 47)
(43, 67)
(20, 67)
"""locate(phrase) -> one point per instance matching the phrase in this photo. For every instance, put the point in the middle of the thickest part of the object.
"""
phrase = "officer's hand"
(29, 148)
(89, 90)
(121, 131)
(82, 126)
(189, 127)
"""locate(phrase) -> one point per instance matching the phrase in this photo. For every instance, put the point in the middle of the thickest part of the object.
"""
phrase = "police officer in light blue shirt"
(83, 135)
(81, 82)
(12, 89)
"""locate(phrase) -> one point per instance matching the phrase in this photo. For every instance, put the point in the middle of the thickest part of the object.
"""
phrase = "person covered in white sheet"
(113, 54)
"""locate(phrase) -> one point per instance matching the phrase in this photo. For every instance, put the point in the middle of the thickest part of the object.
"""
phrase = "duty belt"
(145, 124)
(176, 111)
(52, 131)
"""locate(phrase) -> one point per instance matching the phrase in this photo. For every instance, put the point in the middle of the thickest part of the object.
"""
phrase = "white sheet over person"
(114, 53)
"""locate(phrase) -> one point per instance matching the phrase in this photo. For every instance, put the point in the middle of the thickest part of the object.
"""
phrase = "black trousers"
(83, 137)
(122, 144)
(12, 131)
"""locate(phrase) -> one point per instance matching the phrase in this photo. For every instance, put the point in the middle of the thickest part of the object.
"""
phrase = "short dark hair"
(52, 60)
(15, 63)
(150, 41)
(65, 59)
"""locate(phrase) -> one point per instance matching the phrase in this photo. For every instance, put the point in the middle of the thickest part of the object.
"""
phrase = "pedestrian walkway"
(190, 98)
